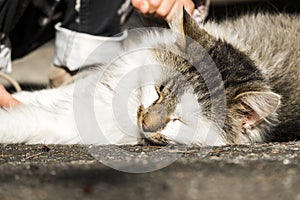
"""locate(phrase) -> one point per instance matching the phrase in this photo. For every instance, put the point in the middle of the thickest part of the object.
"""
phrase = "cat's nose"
(153, 123)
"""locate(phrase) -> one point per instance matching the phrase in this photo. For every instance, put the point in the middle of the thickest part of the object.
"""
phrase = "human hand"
(6, 100)
(163, 8)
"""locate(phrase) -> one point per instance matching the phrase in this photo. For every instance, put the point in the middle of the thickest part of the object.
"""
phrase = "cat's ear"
(177, 24)
(177, 21)
(259, 105)
(183, 23)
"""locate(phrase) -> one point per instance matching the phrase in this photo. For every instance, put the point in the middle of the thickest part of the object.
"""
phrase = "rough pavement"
(260, 171)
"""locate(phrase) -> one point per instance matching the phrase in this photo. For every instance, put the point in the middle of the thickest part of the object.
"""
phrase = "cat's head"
(236, 107)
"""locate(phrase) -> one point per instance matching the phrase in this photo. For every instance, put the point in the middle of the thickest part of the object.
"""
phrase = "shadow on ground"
(260, 171)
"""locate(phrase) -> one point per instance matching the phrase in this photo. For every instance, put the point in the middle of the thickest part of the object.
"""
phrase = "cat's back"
(272, 41)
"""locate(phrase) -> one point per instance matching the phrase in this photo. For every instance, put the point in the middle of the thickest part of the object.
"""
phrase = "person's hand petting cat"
(6, 99)
(163, 8)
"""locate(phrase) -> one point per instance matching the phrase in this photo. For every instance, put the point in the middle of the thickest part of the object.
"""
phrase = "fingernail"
(154, 2)
(144, 7)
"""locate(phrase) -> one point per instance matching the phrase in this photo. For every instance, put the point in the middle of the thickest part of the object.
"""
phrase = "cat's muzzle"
(150, 131)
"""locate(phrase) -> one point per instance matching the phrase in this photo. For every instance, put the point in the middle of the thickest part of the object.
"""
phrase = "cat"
(230, 83)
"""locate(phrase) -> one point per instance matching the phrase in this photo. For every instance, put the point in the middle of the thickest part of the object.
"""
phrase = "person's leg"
(86, 25)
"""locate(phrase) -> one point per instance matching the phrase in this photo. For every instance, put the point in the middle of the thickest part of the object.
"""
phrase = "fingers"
(177, 4)
(154, 5)
(142, 5)
(6, 100)
(163, 8)
(146, 6)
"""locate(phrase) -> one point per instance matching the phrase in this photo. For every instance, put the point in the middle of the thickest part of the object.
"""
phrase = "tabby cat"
(233, 82)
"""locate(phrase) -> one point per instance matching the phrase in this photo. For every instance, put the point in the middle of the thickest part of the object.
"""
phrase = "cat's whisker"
(179, 119)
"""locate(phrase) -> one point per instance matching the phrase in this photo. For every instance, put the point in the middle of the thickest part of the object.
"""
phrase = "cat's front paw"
(158, 139)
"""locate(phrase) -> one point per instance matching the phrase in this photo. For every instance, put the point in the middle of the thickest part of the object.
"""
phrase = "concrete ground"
(261, 171)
